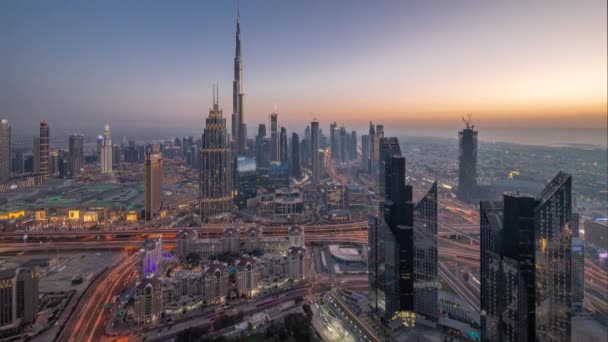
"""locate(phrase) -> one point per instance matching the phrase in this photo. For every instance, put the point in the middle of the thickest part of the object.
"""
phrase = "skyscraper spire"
(239, 129)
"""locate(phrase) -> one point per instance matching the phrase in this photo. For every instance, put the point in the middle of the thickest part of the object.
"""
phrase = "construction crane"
(468, 122)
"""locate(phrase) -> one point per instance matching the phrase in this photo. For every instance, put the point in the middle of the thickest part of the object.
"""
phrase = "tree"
(307, 311)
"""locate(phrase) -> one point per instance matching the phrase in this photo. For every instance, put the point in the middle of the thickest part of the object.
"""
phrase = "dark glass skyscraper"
(333, 142)
(467, 163)
(426, 284)
(274, 135)
(391, 242)
(5, 151)
(283, 145)
(76, 154)
(295, 168)
(365, 153)
(216, 194)
(314, 153)
(387, 148)
(526, 265)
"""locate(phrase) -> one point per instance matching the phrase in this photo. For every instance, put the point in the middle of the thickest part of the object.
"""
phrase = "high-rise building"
(578, 275)
(36, 156)
(152, 184)
(5, 151)
(391, 242)
(314, 153)
(106, 151)
(239, 128)
(216, 187)
(426, 282)
(260, 158)
(76, 148)
(43, 157)
(343, 145)
(295, 168)
(526, 265)
(274, 135)
(365, 153)
(151, 253)
(379, 134)
(246, 180)
(18, 296)
(372, 150)
(98, 148)
(283, 145)
(467, 162)
(353, 145)
(387, 147)
(333, 141)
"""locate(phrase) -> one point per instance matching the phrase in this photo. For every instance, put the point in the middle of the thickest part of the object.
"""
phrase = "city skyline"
(547, 64)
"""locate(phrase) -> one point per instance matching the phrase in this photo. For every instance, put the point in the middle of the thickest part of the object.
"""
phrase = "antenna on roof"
(468, 122)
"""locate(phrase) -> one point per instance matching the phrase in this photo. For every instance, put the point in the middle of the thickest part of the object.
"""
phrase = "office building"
(365, 153)
(578, 275)
(36, 156)
(76, 149)
(353, 145)
(467, 162)
(283, 146)
(153, 180)
(18, 298)
(526, 278)
(274, 136)
(147, 299)
(387, 147)
(239, 128)
(294, 168)
(260, 158)
(426, 282)
(43, 156)
(5, 151)
(98, 148)
(378, 135)
(246, 180)
(106, 151)
(372, 152)
(216, 196)
(333, 141)
(314, 153)
(391, 241)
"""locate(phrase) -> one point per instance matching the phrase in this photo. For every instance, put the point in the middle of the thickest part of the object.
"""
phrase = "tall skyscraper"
(36, 156)
(295, 168)
(372, 151)
(467, 162)
(333, 141)
(5, 151)
(343, 145)
(387, 147)
(217, 169)
(426, 282)
(106, 151)
(379, 134)
(526, 265)
(365, 153)
(43, 157)
(152, 184)
(76, 148)
(283, 145)
(578, 275)
(353, 146)
(314, 153)
(391, 241)
(260, 158)
(274, 135)
(239, 129)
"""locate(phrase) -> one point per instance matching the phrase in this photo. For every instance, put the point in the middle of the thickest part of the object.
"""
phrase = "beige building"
(18, 298)
(148, 305)
(248, 275)
(298, 263)
(153, 181)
